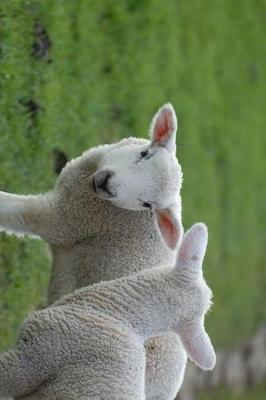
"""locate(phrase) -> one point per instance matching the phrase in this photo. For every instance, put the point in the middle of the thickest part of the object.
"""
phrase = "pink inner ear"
(184, 252)
(163, 126)
(193, 352)
(168, 230)
(200, 350)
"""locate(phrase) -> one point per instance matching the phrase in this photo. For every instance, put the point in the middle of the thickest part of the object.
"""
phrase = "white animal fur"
(89, 344)
(92, 240)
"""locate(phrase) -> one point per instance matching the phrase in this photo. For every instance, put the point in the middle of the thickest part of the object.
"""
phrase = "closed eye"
(144, 153)
(146, 205)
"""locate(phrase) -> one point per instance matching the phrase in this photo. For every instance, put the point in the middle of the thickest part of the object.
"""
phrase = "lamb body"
(89, 344)
(93, 236)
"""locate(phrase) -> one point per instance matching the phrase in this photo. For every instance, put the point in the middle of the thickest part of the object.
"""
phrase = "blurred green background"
(110, 66)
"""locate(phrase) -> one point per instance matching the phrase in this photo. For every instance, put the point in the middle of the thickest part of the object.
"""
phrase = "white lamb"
(98, 227)
(89, 344)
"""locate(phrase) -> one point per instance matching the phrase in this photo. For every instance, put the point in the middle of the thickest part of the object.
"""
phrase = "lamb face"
(143, 175)
(120, 179)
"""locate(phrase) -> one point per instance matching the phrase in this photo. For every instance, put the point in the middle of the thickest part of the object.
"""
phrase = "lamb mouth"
(94, 187)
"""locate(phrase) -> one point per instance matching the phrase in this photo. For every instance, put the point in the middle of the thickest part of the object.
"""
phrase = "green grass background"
(114, 63)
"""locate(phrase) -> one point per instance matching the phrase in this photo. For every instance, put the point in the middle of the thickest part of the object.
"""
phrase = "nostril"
(105, 181)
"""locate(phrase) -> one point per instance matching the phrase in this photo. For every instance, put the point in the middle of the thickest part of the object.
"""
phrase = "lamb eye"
(144, 153)
(146, 205)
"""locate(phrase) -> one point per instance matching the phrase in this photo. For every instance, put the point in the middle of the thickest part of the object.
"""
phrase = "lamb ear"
(163, 128)
(192, 249)
(198, 345)
(169, 226)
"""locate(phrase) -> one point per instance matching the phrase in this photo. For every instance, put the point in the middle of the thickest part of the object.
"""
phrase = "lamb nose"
(101, 180)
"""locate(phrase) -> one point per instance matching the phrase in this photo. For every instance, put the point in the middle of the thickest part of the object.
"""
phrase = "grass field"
(223, 394)
(110, 66)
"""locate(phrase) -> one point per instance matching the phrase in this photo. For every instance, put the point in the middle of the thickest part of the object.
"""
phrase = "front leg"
(165, 367)
(29, 215)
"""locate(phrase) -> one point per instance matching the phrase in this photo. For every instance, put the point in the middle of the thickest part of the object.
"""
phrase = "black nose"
(100, 182)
